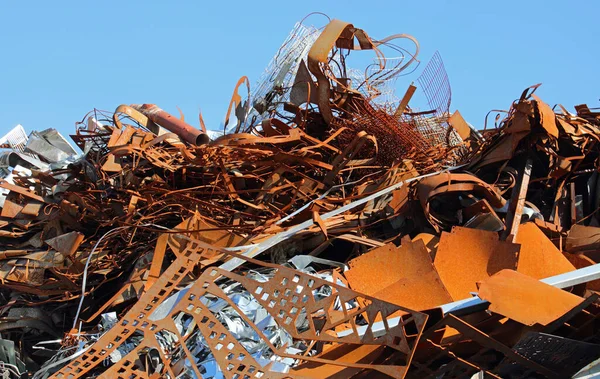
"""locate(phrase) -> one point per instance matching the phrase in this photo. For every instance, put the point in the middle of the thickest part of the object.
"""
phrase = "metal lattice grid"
(381, 88)
(436, 86)
(15, 139)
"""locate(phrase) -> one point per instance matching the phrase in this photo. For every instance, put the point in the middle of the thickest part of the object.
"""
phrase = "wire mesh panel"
(436, 86)
(16, 139)
(381, 86)
(433, 125)
(273, 87)
(436, 130)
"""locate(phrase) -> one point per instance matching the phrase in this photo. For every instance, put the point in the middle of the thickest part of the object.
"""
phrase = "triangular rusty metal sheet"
(467, 256)
(400, 275)
(525, 299)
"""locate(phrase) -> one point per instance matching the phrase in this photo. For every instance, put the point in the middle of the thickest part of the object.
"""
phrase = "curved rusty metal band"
(236, 99)
(134, 114)
(337, 33)
(445, 183)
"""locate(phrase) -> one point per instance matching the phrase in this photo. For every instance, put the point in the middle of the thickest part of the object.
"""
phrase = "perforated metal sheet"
(286, 295)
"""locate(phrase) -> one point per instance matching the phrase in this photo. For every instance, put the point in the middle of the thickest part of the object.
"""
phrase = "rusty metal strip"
(335, 32)
(405, 100)
(517, 202)
(236, 102)
(20, 190)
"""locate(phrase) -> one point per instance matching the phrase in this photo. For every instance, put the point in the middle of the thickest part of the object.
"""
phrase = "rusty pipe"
(187, 132)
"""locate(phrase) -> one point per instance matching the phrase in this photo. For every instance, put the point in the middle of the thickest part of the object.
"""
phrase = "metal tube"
(187, 132)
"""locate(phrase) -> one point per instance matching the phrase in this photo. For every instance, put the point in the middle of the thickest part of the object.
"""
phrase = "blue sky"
(61, 59)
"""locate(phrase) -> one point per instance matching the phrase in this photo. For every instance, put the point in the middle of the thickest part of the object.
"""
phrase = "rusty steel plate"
(539, 258)
(400, 275)
(525, 299)
(467, 256)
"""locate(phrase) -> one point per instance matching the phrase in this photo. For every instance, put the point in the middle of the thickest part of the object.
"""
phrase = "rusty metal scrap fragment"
(538, 256)
(525, 299)
(331, 229)
(582, 238)
(401, 275)
(467, 256)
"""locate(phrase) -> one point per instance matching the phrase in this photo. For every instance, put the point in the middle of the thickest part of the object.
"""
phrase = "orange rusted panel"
(401, 275)
(582, 238)
(11, 208)
(547, 117)
(460, 125)
(431, 242)
(525, 299)
(466, 256)
(539, 258)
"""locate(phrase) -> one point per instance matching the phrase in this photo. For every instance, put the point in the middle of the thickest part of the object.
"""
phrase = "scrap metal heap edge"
(324, 233)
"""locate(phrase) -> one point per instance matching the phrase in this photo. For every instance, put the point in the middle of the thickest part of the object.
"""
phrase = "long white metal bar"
(253, 250)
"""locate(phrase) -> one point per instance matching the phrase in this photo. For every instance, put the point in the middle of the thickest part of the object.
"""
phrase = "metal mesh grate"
(273, 87)
(16, 139)
(436, 86)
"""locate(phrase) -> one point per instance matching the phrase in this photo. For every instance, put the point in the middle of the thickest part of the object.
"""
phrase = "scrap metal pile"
(331, 230)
